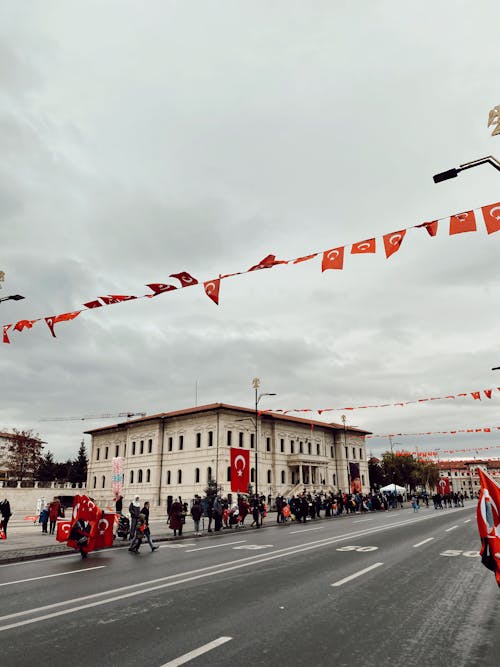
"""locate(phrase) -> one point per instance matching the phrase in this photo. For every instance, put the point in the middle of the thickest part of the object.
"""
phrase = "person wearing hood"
(134, 509)
(6, 514)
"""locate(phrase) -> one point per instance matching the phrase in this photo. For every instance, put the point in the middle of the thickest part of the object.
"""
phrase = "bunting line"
(459, 223)
(483, 429)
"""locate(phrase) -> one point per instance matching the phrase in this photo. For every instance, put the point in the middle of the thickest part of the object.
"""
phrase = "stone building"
(176, 453)
(463, 475)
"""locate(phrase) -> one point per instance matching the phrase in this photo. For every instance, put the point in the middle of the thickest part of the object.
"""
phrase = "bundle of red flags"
(488, 523)
(99, 524)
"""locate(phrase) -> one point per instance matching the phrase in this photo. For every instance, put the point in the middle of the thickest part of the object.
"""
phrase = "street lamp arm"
(453, 173)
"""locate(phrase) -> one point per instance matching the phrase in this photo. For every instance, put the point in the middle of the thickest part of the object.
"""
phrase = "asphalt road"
(394, 588)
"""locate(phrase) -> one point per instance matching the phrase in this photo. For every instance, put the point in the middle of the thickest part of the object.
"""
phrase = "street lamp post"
(343, 418)
(12, 297)
(453, 173)
(256, 385)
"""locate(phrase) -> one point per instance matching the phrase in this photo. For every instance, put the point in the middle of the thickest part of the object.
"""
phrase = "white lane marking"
(361, 520)
(215, 546)
(304, 530)
(242, 562)
(48, 576)
(196, 652)
(178, 546)
(419, 544)
(467, 520)
(452, 528)
(356, 574)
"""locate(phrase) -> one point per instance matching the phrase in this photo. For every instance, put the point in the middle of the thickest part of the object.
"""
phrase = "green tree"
(376, 473)
(78, 469)
(47, 469)
(25, 455)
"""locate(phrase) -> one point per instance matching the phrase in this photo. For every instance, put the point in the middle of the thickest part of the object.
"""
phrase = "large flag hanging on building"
(443, 486)
(488, 523)
(355, 479)
(240, 470)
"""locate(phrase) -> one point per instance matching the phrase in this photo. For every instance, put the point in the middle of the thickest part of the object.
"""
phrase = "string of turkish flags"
(484, 429)
(476, 395)
(331, 259)
(435, 454)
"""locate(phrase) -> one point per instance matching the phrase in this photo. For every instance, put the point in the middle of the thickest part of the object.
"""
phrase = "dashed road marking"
(48, 576)
(187, 657)
(356, 574)
(419, 544)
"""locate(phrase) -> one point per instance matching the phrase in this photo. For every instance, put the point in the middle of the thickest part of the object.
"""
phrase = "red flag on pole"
(488, 523)
(444, 486)
(240, 470)
(333, 259)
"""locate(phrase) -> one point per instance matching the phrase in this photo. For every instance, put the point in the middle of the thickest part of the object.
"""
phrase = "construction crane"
(128, 415)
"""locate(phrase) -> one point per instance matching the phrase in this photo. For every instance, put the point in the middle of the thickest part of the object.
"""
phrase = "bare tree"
(25, 455)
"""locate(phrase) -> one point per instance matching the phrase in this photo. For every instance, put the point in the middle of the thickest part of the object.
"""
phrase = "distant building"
(176, 453)
(463, 474)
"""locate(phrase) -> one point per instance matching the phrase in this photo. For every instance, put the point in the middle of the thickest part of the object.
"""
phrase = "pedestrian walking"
(140, 528)
(196, 512)
(134, 509)
(54, 512)
(6, 513)
(44, 519)
(119, 504)
(175, 517)
(147, 531)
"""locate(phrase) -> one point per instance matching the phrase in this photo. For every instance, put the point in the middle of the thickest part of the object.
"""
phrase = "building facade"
(4, 455)
(463, 475)
(177, 453)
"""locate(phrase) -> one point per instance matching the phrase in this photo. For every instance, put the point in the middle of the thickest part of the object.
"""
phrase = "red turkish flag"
(159, 288)
(488, 523)
(491, 215)
(488, 392)
(88, 510)
(93, 304)
(333, 259)
(306, 258)
(212, 289)
(443, 485)
(240, 470)
(476, 395)
(431, 227)
(463, 222)
(363, 247)
(63, 530)
(104, 535)
(6, 327)
(267, 263)
(116, 298)
(24, 324)
(184, 278)
(392, 242)
(64, 317)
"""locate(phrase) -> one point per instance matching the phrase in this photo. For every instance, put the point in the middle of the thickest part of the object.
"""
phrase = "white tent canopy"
(394, 488)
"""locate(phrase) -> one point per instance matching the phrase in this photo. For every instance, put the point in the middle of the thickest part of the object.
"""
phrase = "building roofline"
(226, 406)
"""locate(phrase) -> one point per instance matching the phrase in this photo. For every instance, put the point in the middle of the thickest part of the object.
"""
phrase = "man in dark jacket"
(6, 514)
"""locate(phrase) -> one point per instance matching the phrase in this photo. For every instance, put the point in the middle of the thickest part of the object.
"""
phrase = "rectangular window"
(331, 452)
(117, 450)
(97, 454)
(210, 438)
(252, 440)
(282, 447)
(141, 450)
(106, 452)
(268, 444)
(240, 439)
(346, 453)
(317, 448)
(229, 438)
(354, 452)
(170, 444)
(181, 442)
(198, 440)
(150, 446)
(133, 447)
(360, 453)
(292, 447)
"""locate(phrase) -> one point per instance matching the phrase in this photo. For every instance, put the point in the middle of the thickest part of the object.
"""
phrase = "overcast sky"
(139, 140)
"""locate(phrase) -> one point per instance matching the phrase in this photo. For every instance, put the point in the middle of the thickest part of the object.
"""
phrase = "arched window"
(131, 476)
(269, 477)
(103, 481)
(169, 477)
(196, 475)
(94, 482)
(309, 445)
(229, 473)
(282, 476)
(179, 477)
(363, 480)
(301, 447)
(252, 475)
(334, 479)
(148, 475)
(209, 475)
(139, 477)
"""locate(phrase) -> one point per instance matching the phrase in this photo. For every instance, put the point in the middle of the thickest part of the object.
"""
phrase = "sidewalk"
(25, 540)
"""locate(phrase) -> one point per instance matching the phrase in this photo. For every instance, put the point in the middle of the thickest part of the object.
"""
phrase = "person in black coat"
(6, 514)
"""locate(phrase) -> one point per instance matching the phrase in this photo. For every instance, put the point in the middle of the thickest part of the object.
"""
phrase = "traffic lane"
(293, 587)
(125, 572)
